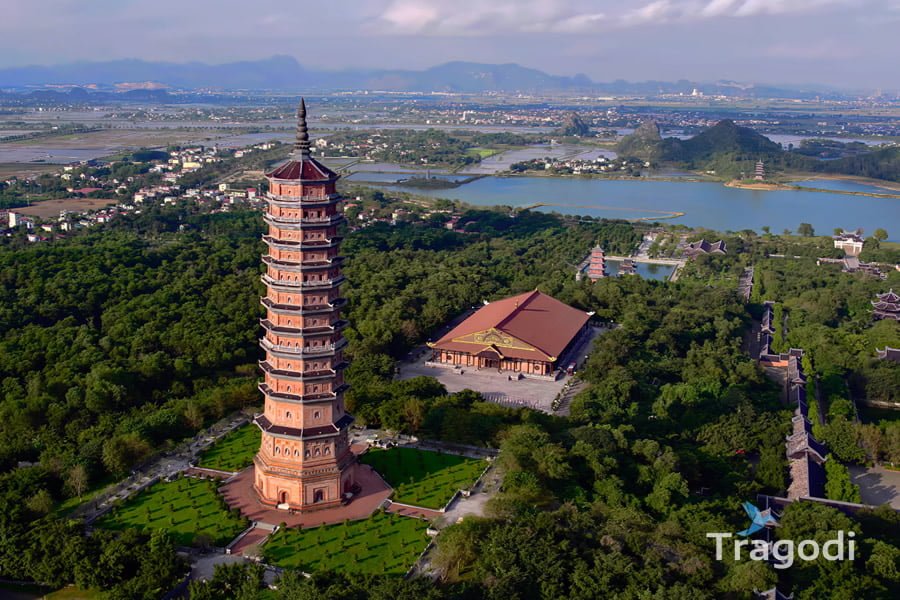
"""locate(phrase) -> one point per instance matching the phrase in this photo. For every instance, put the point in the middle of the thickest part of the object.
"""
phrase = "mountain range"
(284, 73)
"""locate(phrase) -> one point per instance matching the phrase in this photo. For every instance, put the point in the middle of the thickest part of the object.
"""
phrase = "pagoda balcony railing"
(306, 265)
(304, 310)
(300, 375)
(301, 350)
(304, 285)
(276, 220)
(304, 244)
(289, 198)
(323, 350)
(263, 387)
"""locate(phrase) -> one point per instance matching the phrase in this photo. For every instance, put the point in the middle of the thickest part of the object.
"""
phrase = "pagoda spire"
(301, 146)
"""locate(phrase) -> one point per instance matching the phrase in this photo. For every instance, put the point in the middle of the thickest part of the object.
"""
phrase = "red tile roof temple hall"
(304, 461)
(528, 334)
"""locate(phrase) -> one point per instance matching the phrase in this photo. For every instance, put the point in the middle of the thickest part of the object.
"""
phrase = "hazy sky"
(845, 43)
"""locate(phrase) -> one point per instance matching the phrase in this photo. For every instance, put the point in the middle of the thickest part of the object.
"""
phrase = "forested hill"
(724, 138)
(880, 164)
(731, 150)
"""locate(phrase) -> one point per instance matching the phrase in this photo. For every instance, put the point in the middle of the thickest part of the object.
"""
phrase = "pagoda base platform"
(239, 493)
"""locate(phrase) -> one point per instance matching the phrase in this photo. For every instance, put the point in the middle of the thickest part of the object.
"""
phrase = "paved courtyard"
(877, 485)
(503, 388)
(238, 493)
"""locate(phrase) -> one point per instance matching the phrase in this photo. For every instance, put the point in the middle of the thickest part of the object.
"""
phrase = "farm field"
(73, 147)
(47, 209)
(234, 451)
(383, 543)
(423, 478)
(186, 508)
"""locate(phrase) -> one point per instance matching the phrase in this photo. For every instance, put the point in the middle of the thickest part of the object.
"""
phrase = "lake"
(705, 204)
(645, 270)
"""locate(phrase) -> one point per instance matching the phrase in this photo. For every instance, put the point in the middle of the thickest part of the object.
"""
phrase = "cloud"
(659, 11)
(498, 17)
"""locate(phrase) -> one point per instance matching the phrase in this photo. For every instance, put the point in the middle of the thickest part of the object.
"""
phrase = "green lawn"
(73, 592)
(482, 152)
(185, 508)
(234, 451)
(383, 543)
(421, 478)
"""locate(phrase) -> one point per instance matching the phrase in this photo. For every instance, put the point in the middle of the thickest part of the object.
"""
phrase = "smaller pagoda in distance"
(760, 173)
(628, 267)
(597, 264)
(887, 306)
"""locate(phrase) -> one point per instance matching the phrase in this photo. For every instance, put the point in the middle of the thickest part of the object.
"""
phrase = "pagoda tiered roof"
(628, 267)
(887, 306)
(597, 264)
(889, 296)
(301, 166)
(330, 429)
(852, 236)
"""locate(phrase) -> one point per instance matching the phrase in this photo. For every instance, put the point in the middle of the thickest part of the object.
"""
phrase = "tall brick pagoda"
(597, 264)
(304, 461)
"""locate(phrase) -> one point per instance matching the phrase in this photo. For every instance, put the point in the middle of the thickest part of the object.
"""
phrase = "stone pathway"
(877, 485)
(208, 473)
(416, 512)
(475, 504)
(253, 539)
(162, 467)
(568, 395)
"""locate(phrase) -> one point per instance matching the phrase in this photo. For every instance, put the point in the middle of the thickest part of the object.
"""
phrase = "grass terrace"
(186, 508)
(383, 543)
(234, 451)
(423, 478)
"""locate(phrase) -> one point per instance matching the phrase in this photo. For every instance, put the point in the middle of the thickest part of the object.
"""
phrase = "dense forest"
(117, 343)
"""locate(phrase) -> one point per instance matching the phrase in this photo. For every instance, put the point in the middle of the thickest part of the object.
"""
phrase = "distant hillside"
(645, 143)
(880, 164)
(284, 73)
(573, 124)
(725, 137)
(725, 148)
(732, 151)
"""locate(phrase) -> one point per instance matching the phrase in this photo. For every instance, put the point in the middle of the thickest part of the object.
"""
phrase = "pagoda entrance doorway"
(489, 358)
